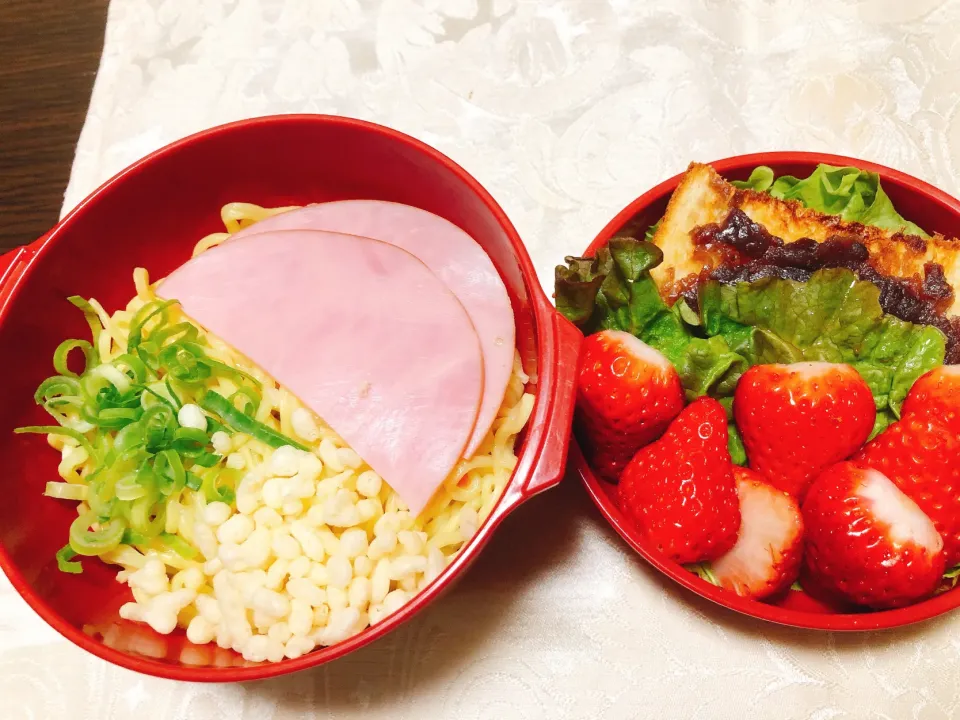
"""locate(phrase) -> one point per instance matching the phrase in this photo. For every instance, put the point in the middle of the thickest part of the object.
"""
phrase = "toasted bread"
(703, 197)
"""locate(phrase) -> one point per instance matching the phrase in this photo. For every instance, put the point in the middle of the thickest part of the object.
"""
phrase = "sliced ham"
(361, 331)
(447, 250)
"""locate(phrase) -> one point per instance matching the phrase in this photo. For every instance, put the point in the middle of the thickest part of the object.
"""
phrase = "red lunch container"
(151, 215)
(916, 200)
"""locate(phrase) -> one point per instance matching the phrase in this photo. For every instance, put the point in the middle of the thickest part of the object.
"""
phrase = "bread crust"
(704, 197)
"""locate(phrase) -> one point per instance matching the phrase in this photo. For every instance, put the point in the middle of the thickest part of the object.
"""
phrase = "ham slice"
(452, 254)
(361, 331)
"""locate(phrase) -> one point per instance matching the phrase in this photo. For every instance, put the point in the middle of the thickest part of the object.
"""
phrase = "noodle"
(464, 500)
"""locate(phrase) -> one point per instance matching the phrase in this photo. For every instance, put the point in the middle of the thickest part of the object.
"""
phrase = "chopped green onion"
(139, 454)
(91, 316)
(173, 395)
(194, 481)
(101, 494)
(159, 425)
(253, 398)
(116, 377)
(225, 369)
(147, 517)
(148, 351)
(135, 365)
(59, 430)
(116, 418)
(131, 537)
(189, 440)
(129, 488)
(85, 541)
(125, 451)
(62, 353)
(58, 389)
(168, 469)
(66, 491)
(91, 384)
(215, 403)
(206, 459)
(185, 363)
(107, 396)
(220, 486)
(143, 316)
(103, 446)
(180, 332)
(215, 426)
(149, 392)
(129, 438)
(64, 556)
(178, 545)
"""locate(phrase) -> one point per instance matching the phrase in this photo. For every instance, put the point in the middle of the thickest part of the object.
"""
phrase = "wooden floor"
(49, 53)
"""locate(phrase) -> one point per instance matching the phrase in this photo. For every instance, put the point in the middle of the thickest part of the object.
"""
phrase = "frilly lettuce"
(851, 193)
(833, 317)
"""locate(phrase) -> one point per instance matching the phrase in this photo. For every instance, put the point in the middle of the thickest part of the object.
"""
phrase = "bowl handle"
(558, 416)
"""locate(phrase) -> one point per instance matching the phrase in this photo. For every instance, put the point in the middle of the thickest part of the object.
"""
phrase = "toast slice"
(704, 197)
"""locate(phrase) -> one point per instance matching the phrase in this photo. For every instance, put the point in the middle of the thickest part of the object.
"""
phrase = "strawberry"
(680, 490)
(627, 394)
(936, 394)
(766, 558)
(920, 456)
(867, 542)
(795, 420)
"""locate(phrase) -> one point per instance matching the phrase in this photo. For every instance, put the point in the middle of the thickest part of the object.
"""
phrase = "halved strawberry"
(920, 456)
(795, 420)
(867, 542)
(627, 394)
(936, 394)
(680, 490)
(766, 558)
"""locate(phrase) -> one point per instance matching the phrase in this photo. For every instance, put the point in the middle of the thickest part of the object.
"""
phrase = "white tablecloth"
(565, 111)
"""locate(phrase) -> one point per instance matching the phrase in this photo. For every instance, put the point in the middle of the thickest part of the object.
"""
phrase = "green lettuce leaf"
(652, 230)
(851, 193)
(833, 317)
(614, 290)
(761, 179)
(703, 571)
(738, 453)
(951, 577)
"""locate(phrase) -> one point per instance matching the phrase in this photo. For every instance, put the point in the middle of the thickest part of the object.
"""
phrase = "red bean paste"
(747, 251)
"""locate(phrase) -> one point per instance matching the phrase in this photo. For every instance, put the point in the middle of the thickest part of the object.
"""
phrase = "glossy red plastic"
(916, 200)
(151, 215)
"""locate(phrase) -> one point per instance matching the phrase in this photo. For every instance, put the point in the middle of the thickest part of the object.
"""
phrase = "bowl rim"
(516, 491)
(847, 622)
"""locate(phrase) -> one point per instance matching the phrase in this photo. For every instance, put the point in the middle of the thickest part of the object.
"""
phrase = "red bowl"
(151, 215)
(916, 200)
